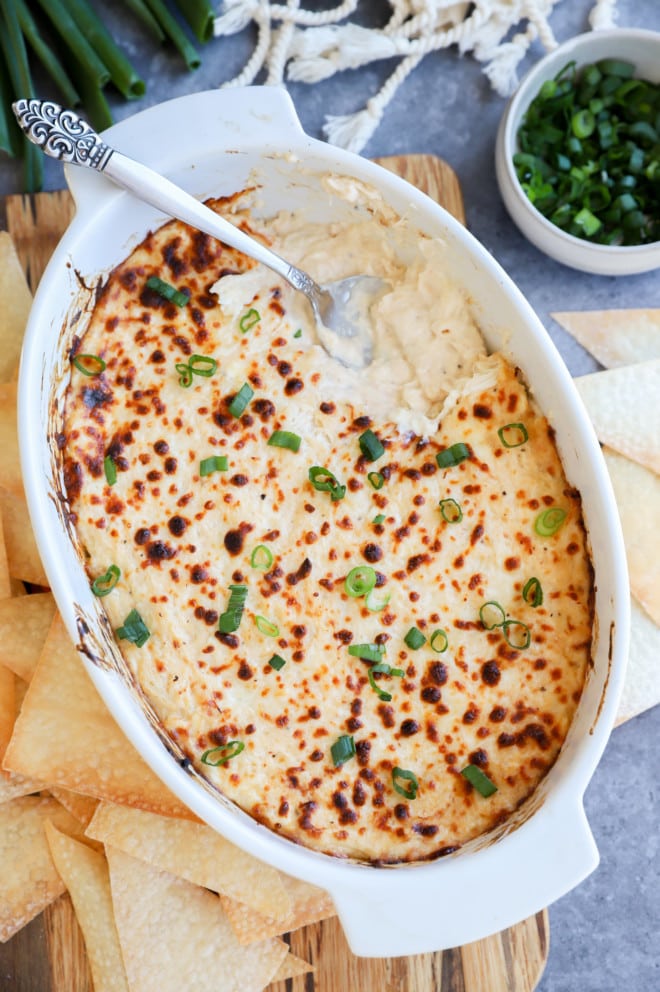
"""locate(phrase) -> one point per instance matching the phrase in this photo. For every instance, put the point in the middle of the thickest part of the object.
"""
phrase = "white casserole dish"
(219, 139)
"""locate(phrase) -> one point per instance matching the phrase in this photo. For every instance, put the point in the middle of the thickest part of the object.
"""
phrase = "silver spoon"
(341, 308)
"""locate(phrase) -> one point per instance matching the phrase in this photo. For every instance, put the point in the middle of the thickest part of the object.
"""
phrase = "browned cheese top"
(180, 540)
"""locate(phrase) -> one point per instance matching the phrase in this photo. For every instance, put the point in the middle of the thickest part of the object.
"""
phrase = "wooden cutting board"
(49, 955)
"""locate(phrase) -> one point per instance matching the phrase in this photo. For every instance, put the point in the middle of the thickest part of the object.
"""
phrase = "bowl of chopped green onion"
(578, 153)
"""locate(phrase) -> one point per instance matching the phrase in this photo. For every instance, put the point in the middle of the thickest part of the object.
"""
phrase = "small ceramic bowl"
(632, 45)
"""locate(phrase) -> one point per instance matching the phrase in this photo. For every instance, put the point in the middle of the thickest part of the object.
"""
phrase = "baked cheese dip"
(360, 601)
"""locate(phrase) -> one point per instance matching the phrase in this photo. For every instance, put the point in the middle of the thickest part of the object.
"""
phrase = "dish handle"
(389, 912)
(244, 117)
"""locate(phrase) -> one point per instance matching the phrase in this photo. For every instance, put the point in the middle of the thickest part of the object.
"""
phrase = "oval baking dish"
(223, 140)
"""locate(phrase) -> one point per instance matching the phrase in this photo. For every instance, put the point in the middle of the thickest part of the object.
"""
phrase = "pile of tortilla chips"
(623, 402)
(162, 900)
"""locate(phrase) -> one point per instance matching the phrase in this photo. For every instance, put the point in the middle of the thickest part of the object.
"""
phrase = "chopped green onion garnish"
(370, 446)
(400, 775)
(298, 333)
(261, 558)
(376, 479)
(532, 592)
(383, 669)
(451, 511)
(479, 780)
(513, 435)
(241, 400)
(516, 634)
(230, 620)
(185, 374)
(134, 629)
(89, 365)
(266, 627)
(375, 602)
(342, 749)
(277, 662)
(325, 482)
(285, 439)
(110, 470)
(167, 291)
(549, 521)
(202, 365)
(249, 320)
(360, 580)
(439, 641)
(415, 639)
(367, 652)
(492, 615)
(453, 455)
(379, 518)
(103, 584)
(220, 755)
(215, 463)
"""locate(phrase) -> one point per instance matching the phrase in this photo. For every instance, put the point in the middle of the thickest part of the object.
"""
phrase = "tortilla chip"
(24, 625)
(65, 735)
(5, 578)
(195, 852)
(309, 905)
(637, 492)
(624, 406)
(641, 689)
(10, 465)
(29, 878)
(175, 935)
(85, 874)
(615, 337)
(22, 555)
(16, 302)
(7, 708)
(291, 967)
(82, 807)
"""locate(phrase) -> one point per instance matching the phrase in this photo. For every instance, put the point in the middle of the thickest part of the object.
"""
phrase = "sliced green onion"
(230, 620)
(402, 775)
(453, 455)
(379, 518)
(439, 641)
(367, 652)
(343, 749)
(266, 627)
(285, 439)
(324, 481)
(370, 446)
(375, 602)
(134, 629)
(513, 435)
(450, 511)
(516, 634)
(532, 592)
(479, 780)
(414, 639)
(549, 521)
(261, 558)
(277, 662)
(383, 669)
(103, 584)
(185, 374)
(360, 580)
(89, 365)
(215, 463)
(167, 291)
(492, 615)
(221, 754)
(110, 470)
(203, 365)
(298, 333)
(249, 320)
(241, 400)
(376, 479)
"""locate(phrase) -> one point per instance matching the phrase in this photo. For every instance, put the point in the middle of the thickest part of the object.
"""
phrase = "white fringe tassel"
(308, 45)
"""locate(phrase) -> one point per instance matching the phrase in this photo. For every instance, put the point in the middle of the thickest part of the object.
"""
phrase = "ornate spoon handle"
(63, 135)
